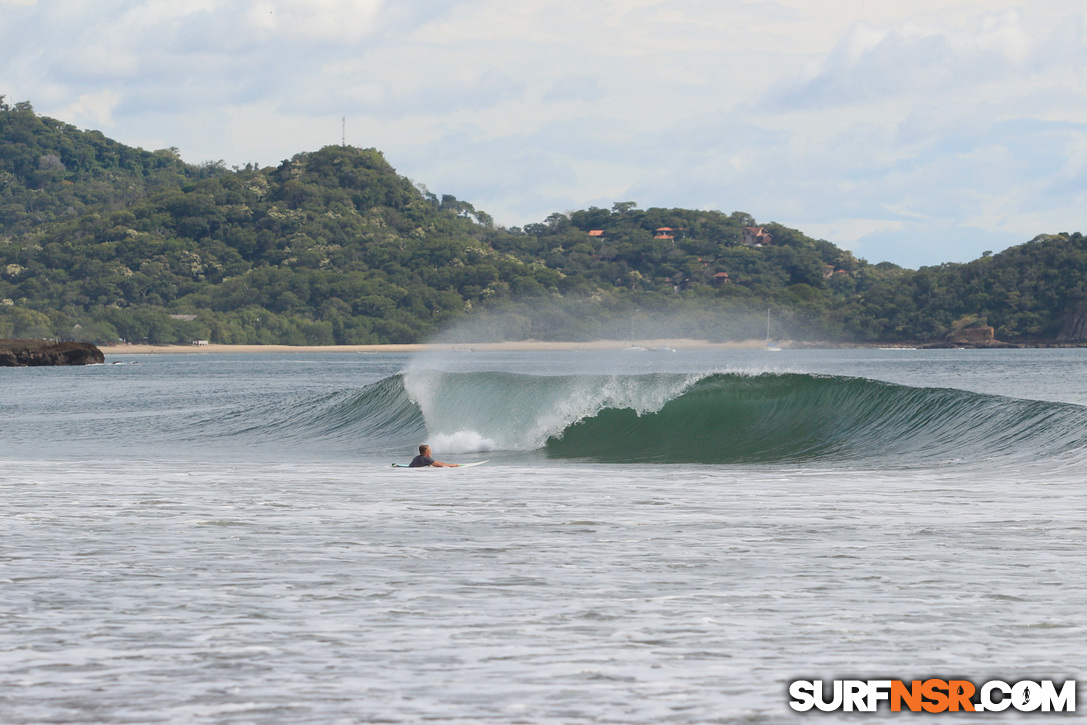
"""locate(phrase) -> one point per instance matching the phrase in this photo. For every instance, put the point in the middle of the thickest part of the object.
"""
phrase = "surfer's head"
(424, 450)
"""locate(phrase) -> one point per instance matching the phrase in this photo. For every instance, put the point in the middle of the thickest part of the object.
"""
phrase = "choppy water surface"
(220, 539)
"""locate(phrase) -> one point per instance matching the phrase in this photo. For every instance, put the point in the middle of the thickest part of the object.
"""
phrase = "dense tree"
(102, 241)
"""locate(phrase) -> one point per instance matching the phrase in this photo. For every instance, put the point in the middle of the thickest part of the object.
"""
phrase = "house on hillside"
(757, 236)
(596, 232)
(664, 233)
(721, 278)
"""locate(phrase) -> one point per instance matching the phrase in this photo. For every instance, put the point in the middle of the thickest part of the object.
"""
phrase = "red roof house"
(757, 237)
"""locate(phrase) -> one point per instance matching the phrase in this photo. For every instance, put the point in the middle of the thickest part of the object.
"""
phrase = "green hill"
(100, 242)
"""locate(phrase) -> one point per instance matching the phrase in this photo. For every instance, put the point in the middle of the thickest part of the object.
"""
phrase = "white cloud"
(93, 109)
(320, 20)
(575, 87)
(850, 231)
(917, 61)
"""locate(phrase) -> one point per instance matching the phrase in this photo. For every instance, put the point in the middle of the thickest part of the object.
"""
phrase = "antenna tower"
(343, 132)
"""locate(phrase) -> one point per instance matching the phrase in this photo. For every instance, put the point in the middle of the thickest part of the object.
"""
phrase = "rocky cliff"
(1074, 328)
(23, 353)
(980, 335)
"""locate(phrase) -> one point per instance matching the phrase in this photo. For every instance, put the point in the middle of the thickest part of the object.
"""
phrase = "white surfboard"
(462, 465)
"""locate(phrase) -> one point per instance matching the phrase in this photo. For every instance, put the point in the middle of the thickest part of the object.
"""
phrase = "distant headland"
(110, 243)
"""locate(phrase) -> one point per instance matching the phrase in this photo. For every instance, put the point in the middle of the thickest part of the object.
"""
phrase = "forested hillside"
(101, 242)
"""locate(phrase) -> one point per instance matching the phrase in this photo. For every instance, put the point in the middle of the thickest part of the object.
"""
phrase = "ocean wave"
(729, 418)
(677, 418)
(377, 417)
(739, 418)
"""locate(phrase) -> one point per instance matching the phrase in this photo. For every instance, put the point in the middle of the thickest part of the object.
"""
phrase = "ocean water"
(658, 537)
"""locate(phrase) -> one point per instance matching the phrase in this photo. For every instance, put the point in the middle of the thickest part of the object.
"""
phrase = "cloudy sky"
(914, 131)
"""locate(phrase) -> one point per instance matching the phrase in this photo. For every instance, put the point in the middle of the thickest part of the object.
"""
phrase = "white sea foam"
(569, 593)
(465, 441)
(521, 413)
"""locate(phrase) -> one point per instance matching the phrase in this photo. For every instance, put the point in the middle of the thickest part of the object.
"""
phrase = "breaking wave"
(676, 418)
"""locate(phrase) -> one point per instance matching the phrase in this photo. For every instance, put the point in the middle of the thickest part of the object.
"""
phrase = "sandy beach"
(527, 345)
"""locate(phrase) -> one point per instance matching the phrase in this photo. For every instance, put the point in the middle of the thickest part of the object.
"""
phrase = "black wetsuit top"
(420, 461)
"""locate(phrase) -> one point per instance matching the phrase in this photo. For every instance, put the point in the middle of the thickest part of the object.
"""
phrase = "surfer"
(424, 459)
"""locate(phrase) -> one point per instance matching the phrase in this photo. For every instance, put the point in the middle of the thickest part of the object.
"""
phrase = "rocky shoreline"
(36, 353)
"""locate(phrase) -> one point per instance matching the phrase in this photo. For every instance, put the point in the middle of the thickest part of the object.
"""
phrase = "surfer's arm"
(439, 464)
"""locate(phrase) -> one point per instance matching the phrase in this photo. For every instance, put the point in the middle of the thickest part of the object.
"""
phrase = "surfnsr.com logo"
(933, 695)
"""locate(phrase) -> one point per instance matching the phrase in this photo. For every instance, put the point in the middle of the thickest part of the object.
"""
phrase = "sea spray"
(509, 411)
